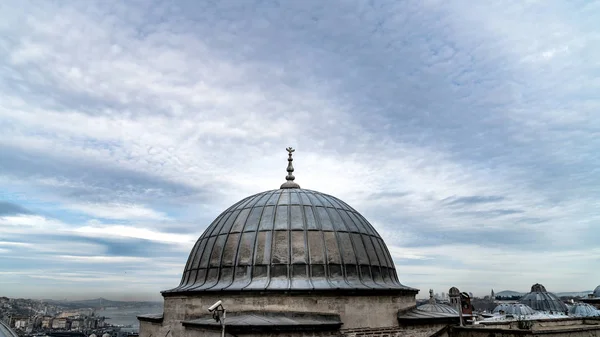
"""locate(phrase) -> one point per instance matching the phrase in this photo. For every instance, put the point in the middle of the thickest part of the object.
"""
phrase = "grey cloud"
(476, 199)
(9, 208)
(86, 181)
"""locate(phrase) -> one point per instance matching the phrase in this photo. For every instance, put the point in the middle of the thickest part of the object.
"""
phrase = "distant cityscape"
(30, 317)
(56, 318)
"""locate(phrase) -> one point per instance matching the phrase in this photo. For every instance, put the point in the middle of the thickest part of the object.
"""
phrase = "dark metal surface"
(271, 321)
(423, 314)
(438, 308)
(541, 300)
(289, 239)
(290, 169)
(6, 331)
(514, 309)
(154, 318)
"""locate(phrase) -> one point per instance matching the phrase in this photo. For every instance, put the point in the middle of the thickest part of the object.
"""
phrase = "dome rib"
(289, 240)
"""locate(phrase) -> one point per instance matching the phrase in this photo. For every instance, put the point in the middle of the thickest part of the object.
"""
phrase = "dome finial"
(290, 169)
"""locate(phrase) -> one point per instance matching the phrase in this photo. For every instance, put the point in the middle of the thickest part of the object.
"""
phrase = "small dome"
(438, 308)
(106, 335)
(541, 300)
(583, 310)
(597, 292)
(513, 309)
(434, 307)
(93, 335)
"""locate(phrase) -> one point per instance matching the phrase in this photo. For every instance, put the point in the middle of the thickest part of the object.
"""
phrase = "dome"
(106, 335)
(438, 308)
(597, 292)
(513, 309)
(289, 239)
(434, 307)
(541, 300)
(93, 335)
(583, 310)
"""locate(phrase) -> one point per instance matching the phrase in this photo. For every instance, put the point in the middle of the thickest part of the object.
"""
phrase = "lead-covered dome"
(583, 310)
(513, 309)
(289, 239)
(596, 293)
(541, 300)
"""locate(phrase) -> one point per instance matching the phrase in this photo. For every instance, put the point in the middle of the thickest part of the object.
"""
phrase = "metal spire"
(290, 169)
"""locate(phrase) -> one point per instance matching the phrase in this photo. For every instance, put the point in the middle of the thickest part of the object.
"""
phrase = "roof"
(154, 318)
(597, 292)
(541, 300)
(270, 321)
(438, 308)
(6, 331)
(289, 239)
(419, 314)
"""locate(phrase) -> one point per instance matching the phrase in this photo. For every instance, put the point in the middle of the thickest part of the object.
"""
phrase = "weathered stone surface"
(355, 311)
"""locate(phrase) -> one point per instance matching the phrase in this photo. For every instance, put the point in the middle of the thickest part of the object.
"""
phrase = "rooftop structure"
(594, 298)
(583, 310)
(285, 259)
(541, 300)
(434, 307)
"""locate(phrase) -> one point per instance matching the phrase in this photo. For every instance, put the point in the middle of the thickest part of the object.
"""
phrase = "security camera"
(215, 306)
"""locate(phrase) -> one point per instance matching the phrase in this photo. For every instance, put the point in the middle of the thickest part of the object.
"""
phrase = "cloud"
(454, 128)
(119, 211)
(10, 208)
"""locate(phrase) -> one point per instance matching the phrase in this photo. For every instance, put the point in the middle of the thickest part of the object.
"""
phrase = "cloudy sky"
(463, 130)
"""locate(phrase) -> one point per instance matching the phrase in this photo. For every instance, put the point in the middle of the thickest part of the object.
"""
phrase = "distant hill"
(99, 302)
(508, 293)
(575, 293)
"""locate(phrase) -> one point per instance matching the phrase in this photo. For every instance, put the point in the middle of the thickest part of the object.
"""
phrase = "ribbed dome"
(541, 300)
(438, 308)
(583, 310)
(597, 292)
(289, 239)
(513, 309)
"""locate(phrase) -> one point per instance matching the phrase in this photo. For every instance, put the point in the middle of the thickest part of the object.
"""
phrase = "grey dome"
(541, 300)
(583, 310)
(289, 239)
(513, 309)
(597, 292)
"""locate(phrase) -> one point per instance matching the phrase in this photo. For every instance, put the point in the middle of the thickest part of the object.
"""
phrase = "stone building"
(286, 261)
